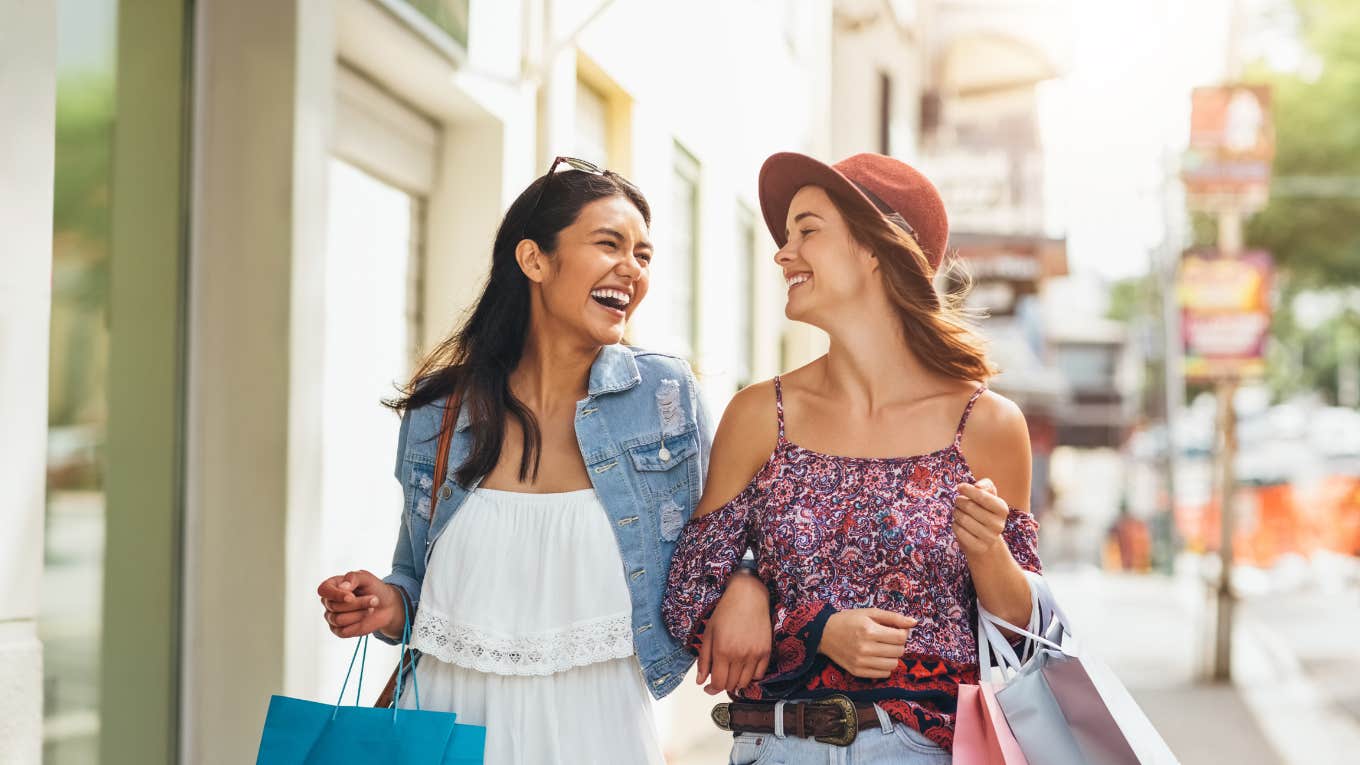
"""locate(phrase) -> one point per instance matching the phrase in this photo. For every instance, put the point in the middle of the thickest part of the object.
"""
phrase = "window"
(885, 87)
(592, 125)
(681, 277)
(451, 16)
(70, 623)
(382, 171)
(744, 277)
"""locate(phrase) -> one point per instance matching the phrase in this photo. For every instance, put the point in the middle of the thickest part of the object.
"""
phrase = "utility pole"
(1229, 246)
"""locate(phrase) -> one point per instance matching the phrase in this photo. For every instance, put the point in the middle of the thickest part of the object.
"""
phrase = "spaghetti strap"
(967, 410)
(779, 406)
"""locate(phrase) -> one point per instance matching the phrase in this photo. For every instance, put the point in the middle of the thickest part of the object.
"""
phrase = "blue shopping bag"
(299, 732)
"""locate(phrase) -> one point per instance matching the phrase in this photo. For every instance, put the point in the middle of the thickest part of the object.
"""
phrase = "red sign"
(1232, 145)
(1225, 314)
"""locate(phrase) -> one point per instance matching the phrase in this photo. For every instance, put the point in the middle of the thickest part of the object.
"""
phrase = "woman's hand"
(736, 643)
(866, 642)
(979, 517)
(359, 603)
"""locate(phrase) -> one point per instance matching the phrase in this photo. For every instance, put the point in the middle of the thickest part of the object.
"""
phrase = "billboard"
(1232, 145)
(1225, 313)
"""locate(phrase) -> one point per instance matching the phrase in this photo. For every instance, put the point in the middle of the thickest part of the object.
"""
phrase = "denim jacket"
(645, 438)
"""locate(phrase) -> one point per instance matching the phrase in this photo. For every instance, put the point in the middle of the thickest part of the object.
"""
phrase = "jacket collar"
(615, 369)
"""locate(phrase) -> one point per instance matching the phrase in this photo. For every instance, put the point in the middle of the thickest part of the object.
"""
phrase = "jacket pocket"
(664, 454)
(667, 469)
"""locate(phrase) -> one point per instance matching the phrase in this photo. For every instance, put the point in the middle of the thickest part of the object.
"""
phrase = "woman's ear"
(531, 260)
(864, 254)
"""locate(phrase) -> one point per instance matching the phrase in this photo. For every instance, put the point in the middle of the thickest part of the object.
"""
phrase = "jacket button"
(445, 492)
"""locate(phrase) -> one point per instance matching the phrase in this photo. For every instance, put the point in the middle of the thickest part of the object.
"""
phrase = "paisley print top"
(834, 533)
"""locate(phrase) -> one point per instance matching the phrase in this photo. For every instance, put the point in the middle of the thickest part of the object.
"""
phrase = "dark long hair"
(476, 360)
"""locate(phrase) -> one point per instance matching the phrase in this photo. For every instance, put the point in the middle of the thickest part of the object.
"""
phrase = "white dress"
(525, 623)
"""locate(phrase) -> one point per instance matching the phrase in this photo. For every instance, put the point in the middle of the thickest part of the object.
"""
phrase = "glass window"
(73, 557)
(744, 277)
(885, 113)
(592, 125)
(1088, 367)
(683, 261)
(449, 15)
(371, 325)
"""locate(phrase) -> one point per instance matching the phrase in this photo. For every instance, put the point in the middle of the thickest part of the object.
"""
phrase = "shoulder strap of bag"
(441, 470)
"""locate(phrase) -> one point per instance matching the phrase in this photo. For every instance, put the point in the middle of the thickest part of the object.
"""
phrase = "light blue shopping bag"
(299, 732)
(1064, 706)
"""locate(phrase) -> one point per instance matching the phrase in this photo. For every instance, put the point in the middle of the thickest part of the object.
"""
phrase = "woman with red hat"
(882, 488)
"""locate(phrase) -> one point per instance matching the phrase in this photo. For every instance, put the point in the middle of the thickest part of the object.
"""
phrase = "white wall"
(868, 41)
(28, 89)
(253, 466)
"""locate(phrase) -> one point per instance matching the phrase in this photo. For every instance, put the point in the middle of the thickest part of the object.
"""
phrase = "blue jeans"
(889, 743)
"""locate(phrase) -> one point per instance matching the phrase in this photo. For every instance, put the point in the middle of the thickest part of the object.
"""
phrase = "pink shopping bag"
(998, 730)
(981, 736)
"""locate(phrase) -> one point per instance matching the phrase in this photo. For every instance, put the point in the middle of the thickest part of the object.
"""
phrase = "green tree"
(80, 262)
(1315, 239)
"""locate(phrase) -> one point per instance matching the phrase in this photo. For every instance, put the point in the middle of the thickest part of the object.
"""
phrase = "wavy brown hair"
(936, 326)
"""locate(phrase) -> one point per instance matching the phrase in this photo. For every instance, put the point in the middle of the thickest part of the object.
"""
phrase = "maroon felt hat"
(892, 187)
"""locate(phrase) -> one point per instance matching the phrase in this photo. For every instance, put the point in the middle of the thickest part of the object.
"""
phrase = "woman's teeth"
(616, 299)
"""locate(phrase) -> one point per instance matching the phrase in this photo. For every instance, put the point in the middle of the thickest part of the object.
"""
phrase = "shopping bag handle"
(1048, 625)
(402, 663)
(361, 654)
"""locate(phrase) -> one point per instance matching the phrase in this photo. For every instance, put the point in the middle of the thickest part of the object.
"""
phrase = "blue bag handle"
(401, 662)
(361, 653)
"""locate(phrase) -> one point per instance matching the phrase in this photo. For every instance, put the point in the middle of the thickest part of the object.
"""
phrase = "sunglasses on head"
(894, 217)
(572, 163)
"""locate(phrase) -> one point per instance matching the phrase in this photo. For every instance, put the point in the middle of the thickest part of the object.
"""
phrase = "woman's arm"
(722, 616)
(998, 538)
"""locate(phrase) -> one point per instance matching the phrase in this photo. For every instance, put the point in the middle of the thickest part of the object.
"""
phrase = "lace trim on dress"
(544, 653)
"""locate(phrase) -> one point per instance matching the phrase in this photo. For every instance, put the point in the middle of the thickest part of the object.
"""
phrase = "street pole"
(1173, 373)
(1229, 245)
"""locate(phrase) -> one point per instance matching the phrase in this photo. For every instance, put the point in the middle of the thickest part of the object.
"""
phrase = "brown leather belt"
(832, 720)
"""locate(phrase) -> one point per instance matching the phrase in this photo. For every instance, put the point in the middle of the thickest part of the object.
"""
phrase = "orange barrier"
(1274, 521)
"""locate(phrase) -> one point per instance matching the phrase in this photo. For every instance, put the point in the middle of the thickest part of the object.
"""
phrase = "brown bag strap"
(441, 460)
(441, 469)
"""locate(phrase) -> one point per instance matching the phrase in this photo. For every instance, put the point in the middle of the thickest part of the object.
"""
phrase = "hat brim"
(781, 177)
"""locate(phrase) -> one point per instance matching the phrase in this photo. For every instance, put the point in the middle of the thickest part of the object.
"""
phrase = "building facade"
(264, 212)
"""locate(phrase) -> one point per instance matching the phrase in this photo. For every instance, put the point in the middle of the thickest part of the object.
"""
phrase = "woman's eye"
(645, 258)
(609, 243)
(807, 231)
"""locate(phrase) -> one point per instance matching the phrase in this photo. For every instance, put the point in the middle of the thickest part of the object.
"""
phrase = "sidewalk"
(1147, 629)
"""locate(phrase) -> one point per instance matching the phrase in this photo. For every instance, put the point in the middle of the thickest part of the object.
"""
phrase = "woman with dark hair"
(875, 561)
(548, 471)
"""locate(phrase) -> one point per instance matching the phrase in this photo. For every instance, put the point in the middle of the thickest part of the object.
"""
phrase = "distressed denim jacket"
(645, 438)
